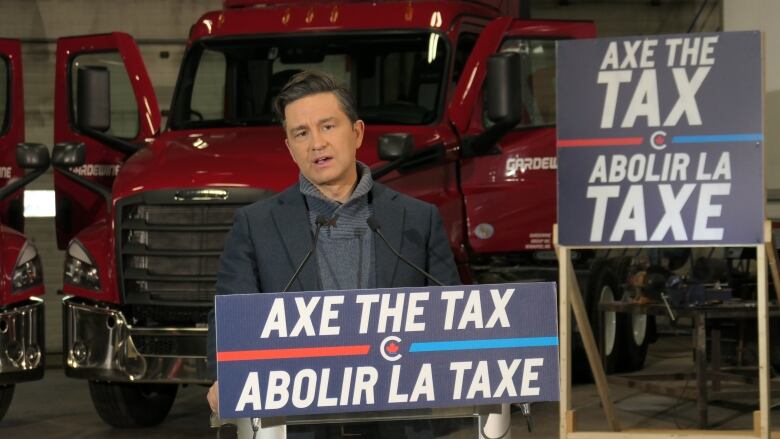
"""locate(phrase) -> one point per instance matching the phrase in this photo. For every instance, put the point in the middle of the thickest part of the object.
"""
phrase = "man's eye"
(299, 134)
(328, 127)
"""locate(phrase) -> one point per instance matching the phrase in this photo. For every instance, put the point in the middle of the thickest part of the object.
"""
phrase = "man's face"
(322, 140)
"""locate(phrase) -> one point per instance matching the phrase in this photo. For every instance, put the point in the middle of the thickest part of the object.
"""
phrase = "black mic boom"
(320, 221)
(373, 224)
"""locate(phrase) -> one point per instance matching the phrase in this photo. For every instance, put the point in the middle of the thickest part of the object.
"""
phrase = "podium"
(494, 420)
(387, 355)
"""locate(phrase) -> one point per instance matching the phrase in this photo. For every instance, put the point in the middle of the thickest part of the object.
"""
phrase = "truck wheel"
(125, 405)
(6, 395)
(603, 287)
(638, 333)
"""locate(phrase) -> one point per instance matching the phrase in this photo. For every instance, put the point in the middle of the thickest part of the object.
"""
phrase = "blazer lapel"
(391, 217)
(292, 223)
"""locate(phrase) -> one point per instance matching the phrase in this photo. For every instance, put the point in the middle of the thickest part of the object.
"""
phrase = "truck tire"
(638, 329)
(128, 405)
(6, 395)
(604, 287)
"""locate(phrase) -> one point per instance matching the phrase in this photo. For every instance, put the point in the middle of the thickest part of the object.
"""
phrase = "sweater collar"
(363, 187)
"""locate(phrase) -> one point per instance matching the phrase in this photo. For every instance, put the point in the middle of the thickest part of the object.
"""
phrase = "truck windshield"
(396, 78)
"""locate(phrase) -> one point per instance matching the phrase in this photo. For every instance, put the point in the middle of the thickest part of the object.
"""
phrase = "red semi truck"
(21, 275)
(143, 211)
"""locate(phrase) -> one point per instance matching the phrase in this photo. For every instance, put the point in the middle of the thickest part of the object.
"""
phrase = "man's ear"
(359, 128)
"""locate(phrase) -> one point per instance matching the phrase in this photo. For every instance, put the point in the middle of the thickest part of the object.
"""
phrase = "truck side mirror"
(395, 146)
(66, 155)
(504, 104)
(93, 109)
(32, 156)
(504, 100)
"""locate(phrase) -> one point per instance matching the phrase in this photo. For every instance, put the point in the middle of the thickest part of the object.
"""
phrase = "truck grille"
(169, 248)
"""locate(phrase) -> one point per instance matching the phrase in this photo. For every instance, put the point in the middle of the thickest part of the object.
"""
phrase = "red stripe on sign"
(614, 141)
(278, 354)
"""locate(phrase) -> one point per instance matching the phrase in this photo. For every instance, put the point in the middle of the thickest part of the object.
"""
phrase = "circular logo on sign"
(484, 231)
(390, 348)
(658, 140)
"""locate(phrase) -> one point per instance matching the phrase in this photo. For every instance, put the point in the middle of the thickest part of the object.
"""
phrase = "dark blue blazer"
(269, 238)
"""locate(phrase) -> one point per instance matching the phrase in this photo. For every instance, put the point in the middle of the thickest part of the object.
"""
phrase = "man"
(270, 238)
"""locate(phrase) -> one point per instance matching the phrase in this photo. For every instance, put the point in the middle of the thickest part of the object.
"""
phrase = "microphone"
(373, 224)
(320, 221)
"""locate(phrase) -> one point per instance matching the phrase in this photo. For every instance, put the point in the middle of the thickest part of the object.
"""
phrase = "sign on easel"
(660, 141)
(311, 353)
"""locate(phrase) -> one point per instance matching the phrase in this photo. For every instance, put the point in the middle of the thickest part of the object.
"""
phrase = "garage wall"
(160, 28)
(764, 15)
(636, 17)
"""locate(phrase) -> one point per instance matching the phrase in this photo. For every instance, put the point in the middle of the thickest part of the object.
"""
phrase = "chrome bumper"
(21, 342)
(99, 344)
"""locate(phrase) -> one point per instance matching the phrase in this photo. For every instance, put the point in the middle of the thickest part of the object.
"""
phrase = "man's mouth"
(322, 160)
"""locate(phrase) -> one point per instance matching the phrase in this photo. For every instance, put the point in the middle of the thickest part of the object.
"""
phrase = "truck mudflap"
(100, 344)
(22, 342)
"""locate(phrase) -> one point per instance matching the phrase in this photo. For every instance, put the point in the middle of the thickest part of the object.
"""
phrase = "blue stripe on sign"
(719, 138)
(460, 345)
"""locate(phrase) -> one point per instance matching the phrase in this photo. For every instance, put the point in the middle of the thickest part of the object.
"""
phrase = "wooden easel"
(570, 296)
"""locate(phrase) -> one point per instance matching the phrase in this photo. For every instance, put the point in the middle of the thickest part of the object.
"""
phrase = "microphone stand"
(320, 221)
(373, 224)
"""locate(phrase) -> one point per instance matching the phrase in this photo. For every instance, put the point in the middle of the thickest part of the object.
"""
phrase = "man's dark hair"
(308, 83)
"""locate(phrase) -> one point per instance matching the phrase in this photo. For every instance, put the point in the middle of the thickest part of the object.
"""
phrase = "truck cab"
(142, 211)
(21, 275)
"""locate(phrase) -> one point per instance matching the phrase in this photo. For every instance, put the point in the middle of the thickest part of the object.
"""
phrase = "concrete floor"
(60, 407)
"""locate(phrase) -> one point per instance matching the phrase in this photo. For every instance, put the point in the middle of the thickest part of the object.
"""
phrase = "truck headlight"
(27, 271)
(80, 269)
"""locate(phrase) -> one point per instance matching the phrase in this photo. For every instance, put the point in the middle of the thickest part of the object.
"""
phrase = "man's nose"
(318, 140)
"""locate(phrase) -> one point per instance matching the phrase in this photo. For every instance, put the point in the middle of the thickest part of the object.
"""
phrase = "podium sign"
(660, 140)
(387, 349)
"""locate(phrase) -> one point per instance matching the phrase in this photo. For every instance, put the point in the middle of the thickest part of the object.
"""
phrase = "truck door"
(11, 129)
(431, 172)
(510, 191)
(133, 119)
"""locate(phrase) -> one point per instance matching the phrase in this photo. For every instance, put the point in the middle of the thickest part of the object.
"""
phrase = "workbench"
(713, 381)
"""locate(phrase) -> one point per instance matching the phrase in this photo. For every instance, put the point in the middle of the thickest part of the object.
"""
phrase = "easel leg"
(701, 368)
(564, 338)
(592, 351)
(763, 335)
(771, 255)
